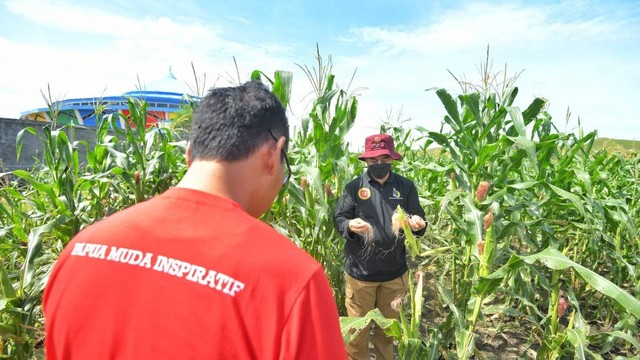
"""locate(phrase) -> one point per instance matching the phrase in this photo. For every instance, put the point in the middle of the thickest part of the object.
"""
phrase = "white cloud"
(87, 20)
(574, 63)
(240, 19)
(557, 55)
(478, 23)
(122, 48)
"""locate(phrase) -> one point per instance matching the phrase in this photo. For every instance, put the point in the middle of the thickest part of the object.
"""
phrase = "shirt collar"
(390, 180)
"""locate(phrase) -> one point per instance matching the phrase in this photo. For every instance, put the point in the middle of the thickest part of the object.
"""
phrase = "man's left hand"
(417, 223)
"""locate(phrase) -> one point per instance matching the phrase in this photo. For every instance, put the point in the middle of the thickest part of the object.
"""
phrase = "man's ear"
(272, 153)
(188, 155)
(280, 150)
(281, 142)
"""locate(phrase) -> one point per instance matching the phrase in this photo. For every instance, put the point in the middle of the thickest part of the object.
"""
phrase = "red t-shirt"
(188, 275)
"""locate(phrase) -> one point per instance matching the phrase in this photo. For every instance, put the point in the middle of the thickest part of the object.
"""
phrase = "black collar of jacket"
(392, 178)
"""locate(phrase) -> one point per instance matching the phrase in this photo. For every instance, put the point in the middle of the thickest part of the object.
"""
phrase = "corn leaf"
(579, 342)
(452, 109)
(6, 287)
(555, 260)
(413, 349)
(575, 200)
(518, 122)
(33, 249)
(351, 326)
(627, 337)
(531, 112)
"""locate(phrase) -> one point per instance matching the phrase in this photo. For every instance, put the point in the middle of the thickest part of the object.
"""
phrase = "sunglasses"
(286, 160)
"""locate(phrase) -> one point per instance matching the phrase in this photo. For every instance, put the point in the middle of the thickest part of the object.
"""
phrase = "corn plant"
(527, 226)
(541, 199)
(413, 342)
(44, 208)
(321, 165)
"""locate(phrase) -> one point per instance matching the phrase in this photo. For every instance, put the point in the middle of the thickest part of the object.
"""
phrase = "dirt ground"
(503, 345)
(498, 338)
(507, 343)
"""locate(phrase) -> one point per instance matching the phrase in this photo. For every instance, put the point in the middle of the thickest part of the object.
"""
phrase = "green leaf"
(33, 249)
(416, 312)
(19, 140)
(531, 112)
(523, 185)
(10, 330)
(413, 349)
(440, 139)
(351, 326)
(510, 96)
(555, 260)
(256, 75)
(472, 104)
(488, 151)
(626, 337)
(528, 146)
(432, 347)
(518, 122)
(579, 342)
(282, 86)
(120, 159)
(575, 200)
(465, 343)
(475, 217)
(449, 197)
(6, 286)
(23, 174)
(447, 299)
(452, 108)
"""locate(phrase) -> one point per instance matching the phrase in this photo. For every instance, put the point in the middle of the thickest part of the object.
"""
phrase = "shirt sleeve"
(344, 213)
(313, 328)
(414, 207)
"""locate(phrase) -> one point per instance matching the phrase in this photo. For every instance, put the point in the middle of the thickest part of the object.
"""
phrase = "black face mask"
(379, 171)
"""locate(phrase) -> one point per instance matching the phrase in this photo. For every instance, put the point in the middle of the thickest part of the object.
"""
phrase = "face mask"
(379, 171)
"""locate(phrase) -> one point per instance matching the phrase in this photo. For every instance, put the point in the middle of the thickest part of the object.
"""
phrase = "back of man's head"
(231, 123)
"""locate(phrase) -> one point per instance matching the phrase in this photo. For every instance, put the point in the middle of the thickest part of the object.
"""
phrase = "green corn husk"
(400, 220)
(486, 259)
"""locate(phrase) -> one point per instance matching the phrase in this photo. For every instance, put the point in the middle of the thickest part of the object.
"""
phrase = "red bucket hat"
(380, 144)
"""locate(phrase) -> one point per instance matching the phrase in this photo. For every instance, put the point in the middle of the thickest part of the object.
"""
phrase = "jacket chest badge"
(396, 194)
(364, 193)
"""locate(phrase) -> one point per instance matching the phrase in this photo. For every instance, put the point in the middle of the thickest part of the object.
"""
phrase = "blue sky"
(583, 56)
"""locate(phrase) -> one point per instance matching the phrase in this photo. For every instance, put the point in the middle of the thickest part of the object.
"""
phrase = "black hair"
(231, 123)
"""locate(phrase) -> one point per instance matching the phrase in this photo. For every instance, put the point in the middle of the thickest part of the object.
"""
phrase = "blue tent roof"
(165, 94)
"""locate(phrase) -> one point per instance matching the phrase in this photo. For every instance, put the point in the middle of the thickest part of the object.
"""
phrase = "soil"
(499, 337)
(496, 339)
(508, 343)
(503, 344)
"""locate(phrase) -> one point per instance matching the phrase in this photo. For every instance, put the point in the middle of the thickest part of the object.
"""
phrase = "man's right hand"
(359, 226)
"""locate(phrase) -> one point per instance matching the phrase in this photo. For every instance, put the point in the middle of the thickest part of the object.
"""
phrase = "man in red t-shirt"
(192, 273)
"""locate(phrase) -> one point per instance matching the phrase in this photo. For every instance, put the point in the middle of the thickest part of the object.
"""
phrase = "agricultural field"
(617, 145)
(531, 251)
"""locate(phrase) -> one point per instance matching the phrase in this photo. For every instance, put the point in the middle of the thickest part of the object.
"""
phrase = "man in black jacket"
(375, 257)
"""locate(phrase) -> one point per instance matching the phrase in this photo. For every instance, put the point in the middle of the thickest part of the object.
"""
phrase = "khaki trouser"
(364, 296)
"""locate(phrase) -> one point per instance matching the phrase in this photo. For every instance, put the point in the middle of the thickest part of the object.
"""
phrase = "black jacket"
(374, 203)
